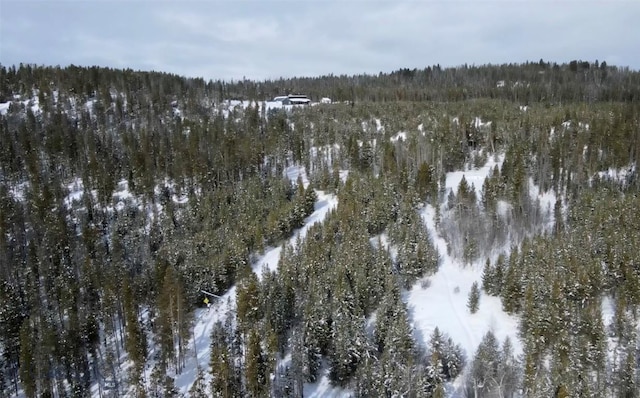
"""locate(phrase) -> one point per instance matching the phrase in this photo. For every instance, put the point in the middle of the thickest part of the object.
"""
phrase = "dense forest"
(125, 194)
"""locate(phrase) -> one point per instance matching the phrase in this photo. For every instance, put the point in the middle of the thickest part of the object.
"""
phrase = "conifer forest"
(469, 231)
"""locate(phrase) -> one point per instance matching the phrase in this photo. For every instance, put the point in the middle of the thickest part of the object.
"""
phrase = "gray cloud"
(268, 39)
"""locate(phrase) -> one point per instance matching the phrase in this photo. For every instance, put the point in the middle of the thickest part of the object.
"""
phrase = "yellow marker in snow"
(206, 300)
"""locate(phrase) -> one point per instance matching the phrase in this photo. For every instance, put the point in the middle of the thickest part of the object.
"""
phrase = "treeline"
(527, 83)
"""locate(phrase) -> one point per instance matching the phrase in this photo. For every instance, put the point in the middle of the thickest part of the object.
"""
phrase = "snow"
(325, 100)
(122, 192)
(230, 105)
(449, 288)
(618, 175)
(76, 191)
(293, 172)
(503, 208)
(478, 123)
(608, 310)
(34, 103)
(402, 135)
(547, 199)
(89, 105)
(18, 191)
(326, 152)
(473, 176)
(379, 127)
(442, 303)
(323, 388)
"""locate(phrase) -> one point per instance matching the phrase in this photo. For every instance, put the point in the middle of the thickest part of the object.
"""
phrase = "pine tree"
(27, 370)
(483, 378)
(135, 339)
(198, 388)
(474, 298)
(248, 300)
(221, 364)
(255, 367)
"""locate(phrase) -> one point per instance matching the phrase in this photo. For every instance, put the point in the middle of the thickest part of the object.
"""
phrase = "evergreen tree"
(198, 388)
(474, 298)
(255, 375)
(223, 383)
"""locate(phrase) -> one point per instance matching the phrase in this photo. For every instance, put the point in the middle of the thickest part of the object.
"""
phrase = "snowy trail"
(206, 318)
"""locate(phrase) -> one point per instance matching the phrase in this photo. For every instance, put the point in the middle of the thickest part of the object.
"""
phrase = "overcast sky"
(224, 39)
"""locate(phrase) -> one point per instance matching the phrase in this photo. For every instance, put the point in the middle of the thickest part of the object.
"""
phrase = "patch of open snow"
(473, 176)
(344, 174)
(34, 103)
(546, 198)
(618, 175)
(76, 191)
(444, 303)
(449, 287)
(293, 172)
(326, 152)
(4, 107)
(89, 105)
(323, 388)
(402, 135)
(503, 208)
(608, 310)
(379, 127)
(182, 199)
(478, 123)
(122, 192)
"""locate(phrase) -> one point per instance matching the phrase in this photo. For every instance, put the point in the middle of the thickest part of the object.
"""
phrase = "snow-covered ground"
(230, 105)
(473, 177)
(442, 303)
(402, 135)
(34, 103)
(4, 107)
